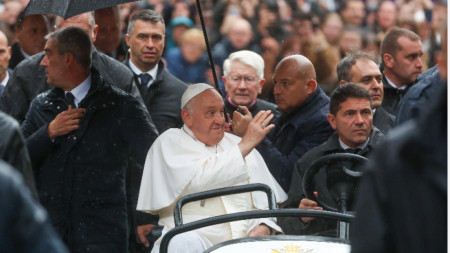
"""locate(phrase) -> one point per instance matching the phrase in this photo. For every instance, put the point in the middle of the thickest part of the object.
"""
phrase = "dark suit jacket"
(296, 194)
(2, 88)
(258, 106)
(392, 97)
(163, 98)
(16, 56)
(383, 120)
(417, 99)
(294, 134)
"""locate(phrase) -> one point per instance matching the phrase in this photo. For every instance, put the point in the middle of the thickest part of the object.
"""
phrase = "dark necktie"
(70, 99)
(2, 88)
(353, 150)
(145, 78)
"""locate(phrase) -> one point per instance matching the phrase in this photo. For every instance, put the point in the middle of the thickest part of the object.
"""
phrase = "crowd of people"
(111, 116)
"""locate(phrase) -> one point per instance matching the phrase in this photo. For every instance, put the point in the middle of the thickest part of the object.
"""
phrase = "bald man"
(303, 124)
(29, 78)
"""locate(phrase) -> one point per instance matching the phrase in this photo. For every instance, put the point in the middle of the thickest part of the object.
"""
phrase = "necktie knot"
(353, 150)
(145, 78)
(70, 98)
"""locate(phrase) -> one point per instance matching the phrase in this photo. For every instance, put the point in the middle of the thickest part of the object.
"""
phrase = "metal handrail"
(222, 192)
(249, 215)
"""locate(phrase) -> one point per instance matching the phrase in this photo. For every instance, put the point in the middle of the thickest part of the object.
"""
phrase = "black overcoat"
(402, 202)
(86, 178)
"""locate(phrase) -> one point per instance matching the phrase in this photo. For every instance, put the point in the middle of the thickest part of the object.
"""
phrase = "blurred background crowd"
(323, 31)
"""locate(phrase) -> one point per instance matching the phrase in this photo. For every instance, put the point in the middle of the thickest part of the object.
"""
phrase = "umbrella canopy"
(69, 8)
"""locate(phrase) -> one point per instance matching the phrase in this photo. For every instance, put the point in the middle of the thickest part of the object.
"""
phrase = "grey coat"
(24, 225)
(14, 151)
(383, 120)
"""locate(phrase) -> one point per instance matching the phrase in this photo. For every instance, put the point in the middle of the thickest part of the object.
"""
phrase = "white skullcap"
(192, 91)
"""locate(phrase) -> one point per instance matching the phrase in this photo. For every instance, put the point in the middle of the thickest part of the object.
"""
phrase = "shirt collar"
(189, 132)
(24, 54)
(362, 146)
(81, 90)
(5, 80)
(152, 72)
(394, 86)
(231, 102)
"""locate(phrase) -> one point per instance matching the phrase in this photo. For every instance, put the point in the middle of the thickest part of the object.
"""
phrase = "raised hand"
(240, 121)
(256, 131)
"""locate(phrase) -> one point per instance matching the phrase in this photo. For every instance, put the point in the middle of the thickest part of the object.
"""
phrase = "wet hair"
(75, 41)
(21, 18)
(91, 20)
(144, 15)
(390, 45)
(346, 64)
(114, 10)
(246, 57)
(344, 92)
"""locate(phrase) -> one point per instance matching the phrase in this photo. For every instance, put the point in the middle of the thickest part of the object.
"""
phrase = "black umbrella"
(69, 8)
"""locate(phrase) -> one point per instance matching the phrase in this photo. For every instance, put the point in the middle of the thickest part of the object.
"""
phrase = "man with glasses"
(243, 79)
(160, 90)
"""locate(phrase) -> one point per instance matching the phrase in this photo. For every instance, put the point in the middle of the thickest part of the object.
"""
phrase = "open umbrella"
(69, 8)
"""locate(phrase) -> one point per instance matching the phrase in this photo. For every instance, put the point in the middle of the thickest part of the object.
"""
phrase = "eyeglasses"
(247, 79)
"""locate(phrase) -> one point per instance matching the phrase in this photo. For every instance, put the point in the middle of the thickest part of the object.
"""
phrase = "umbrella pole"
(208, 48)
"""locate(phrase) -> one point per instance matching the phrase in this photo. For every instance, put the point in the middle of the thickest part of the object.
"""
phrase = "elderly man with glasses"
(243, 79)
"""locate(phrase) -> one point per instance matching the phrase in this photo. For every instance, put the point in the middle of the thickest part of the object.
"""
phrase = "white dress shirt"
(81, 90)
(152, 72)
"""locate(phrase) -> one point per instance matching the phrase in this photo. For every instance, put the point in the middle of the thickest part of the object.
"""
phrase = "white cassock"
(177, 165)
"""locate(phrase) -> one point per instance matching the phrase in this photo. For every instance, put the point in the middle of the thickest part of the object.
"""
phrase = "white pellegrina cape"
(177, 164)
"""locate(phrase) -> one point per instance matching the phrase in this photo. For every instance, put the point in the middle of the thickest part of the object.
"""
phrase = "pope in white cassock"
(201, 156)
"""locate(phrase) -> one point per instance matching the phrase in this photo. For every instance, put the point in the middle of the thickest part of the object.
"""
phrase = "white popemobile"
(347, 176)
